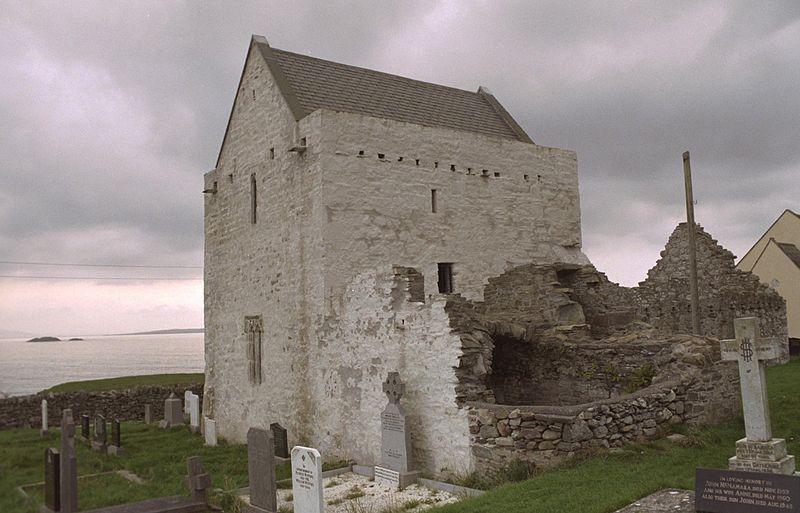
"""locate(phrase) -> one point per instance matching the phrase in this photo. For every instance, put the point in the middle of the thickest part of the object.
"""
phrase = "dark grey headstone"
(116, 438)
(85, 427)
(68, 468)
(52, 478)
(173, 411)
(280, 439)
(197, 480)
(261, 469)
(147, 414)
(732, 491)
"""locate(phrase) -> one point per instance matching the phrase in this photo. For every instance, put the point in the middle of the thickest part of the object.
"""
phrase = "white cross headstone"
(751, 351)
(307, 480)
(758, 451)
(44, 417)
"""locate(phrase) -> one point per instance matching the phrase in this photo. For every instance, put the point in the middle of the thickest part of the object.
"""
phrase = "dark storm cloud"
(114, 110)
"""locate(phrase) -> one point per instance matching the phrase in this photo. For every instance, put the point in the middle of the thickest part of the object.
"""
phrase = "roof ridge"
(377, 72)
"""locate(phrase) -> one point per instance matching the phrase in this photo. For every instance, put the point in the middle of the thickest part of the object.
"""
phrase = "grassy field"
(598, 484)
(128, 382)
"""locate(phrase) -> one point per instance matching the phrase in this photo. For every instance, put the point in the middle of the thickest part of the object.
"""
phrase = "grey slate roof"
(310, 84)
(791, 251)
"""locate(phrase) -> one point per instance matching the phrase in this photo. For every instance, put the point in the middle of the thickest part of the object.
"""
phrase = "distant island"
(45, 339)
(166, 332)
(75, 338)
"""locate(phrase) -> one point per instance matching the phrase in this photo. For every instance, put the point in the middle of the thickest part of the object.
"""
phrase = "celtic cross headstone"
(758, 451)
(395, 467)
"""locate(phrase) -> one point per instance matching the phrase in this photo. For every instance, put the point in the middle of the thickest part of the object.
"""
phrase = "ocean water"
(28, 367)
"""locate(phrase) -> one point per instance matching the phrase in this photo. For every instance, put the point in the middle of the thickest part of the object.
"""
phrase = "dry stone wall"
(26, 411)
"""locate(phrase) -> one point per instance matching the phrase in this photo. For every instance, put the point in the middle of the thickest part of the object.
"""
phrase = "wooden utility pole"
(687, 178)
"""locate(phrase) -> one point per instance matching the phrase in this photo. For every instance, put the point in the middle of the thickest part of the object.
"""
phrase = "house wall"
(785, 229)
(270, 268)
(775, 265)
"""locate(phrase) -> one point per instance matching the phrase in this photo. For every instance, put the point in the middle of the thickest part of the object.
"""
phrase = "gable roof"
(791, 251)
(763, 236)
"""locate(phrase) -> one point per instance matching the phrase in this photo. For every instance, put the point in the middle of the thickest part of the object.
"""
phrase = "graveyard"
(154, 463)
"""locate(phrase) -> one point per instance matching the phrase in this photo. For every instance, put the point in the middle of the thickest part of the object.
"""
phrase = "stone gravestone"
(116, 439)
(197, 480)
(307, 480)
(758, 451)
(210, 431)
(85, 427)
(100, 441)
(186, 395)
(395, 467)
(68, 468)
(279, 436)
(44, 432)
(147, 415)
(52, 479)
(193, 403)
(173, 413)
(261, 472)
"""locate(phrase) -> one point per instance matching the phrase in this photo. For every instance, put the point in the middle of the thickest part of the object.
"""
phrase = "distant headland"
(52, 339)
(166, 332)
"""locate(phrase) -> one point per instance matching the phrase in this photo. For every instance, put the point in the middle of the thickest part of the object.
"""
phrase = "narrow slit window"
(452, 167)
(416, 161)
(272, 153)
(253, 199)
(303, 141)
(445, 278)
(435, 165)
(434, 205)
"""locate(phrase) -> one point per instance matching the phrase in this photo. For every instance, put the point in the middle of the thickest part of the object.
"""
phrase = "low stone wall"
(544, 435)
(25, 411)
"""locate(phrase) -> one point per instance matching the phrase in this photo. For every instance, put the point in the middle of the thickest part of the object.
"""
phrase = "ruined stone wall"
(500, 203)
(380, 328)
(725, 292)
(269, 269)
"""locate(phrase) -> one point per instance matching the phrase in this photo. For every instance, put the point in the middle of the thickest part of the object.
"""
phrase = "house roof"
(785, 212)
(309, 84)
(791, 251)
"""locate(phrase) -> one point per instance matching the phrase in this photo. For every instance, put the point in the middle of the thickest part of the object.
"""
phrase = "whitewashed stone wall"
(331, 225)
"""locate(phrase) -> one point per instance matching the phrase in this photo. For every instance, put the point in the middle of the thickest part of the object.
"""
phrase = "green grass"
(156, 455)
(607, 482)
(126, 382)
(600, 484)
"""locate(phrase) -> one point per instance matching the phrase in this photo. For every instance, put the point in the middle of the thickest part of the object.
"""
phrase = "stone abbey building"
(358, 223)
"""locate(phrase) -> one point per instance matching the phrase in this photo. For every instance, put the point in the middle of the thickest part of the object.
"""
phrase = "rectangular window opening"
(381, 156)
(399, 159)
(434, 206)
(435, 165)
(452, 167)
(445, 278)
(496, 174)
(303, 141)
(272, 153)
(416, 161)
(360, 153)
(526, 177)
(253, 199)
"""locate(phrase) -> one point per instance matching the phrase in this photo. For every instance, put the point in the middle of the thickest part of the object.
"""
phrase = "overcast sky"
(111, 112)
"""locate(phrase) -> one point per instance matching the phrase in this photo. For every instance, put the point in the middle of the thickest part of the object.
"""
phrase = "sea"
(29, 367)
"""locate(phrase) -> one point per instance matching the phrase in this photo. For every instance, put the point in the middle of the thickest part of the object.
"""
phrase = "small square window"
(497, 175)
(303, 141)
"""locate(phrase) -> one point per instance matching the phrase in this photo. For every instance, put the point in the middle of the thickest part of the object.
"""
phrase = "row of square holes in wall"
(484, 172)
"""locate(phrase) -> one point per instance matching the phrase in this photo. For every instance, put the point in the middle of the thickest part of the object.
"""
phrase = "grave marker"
(210, 431)
(147, 415)
(100, 441)
(173, 413)
(395, 467)
(193, 403)
(261, 472)
(68, 467)
(281, 440)
(116, 439)
(197, 480)
(52, 479)
(758, 451)
(85, 427)
(44, 432)
(307, 480)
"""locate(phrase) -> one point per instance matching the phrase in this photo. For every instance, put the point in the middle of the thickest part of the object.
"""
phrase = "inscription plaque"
(729, 491)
